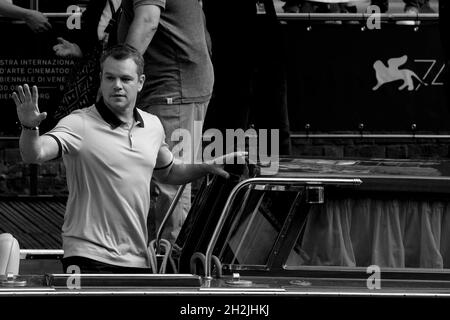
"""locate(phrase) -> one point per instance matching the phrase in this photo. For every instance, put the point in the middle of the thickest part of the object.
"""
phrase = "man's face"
(120, 84)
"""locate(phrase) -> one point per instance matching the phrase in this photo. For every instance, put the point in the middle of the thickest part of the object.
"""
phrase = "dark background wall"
(289, 75)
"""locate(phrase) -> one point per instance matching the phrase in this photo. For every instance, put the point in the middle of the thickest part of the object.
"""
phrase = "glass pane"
(256, 226)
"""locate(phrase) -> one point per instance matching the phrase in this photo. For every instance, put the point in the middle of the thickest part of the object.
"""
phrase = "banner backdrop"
(27, 57)
(337, 76)
(340, 76)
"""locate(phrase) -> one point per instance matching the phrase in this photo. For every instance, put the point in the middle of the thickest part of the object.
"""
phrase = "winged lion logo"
(392, 72)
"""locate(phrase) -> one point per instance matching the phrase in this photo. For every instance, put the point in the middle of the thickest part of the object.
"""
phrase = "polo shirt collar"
(112, 119)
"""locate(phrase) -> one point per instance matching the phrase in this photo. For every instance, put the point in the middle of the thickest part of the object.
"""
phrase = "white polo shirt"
(108, 169)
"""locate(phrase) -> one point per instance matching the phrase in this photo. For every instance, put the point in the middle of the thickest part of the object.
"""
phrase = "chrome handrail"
(271, 181)
(166, 217)
(62, 14)
(411, 136)
(384, 17)
(46, 14)
(40, 252)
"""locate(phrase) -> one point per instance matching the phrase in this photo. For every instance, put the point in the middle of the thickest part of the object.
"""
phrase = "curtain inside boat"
(398, 233)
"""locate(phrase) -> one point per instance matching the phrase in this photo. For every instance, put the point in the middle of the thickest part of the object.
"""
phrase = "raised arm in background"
(34, 19)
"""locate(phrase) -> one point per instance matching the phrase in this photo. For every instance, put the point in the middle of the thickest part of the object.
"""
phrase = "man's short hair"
(123, 52)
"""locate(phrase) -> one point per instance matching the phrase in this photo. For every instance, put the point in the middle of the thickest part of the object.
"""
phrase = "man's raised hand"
(27, 106)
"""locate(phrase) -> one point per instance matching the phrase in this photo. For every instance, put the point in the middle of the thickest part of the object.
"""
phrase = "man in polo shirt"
(110, 150)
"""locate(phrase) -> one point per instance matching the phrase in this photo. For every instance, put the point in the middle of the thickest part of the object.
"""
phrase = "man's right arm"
(37, 149)
(33, 148)
(143, 26)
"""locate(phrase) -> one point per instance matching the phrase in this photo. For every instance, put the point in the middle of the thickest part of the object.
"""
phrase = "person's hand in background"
(36, 21)
(66, 48)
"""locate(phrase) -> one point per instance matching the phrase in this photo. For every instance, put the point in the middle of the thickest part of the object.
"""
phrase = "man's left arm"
(179, 173)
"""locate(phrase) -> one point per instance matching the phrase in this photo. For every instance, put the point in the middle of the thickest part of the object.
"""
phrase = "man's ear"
(141, 81)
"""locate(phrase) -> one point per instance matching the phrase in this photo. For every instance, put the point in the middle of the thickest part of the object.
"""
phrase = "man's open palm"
(27, 106)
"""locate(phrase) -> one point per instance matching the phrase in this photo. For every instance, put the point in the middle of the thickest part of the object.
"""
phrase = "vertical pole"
(34, 171)
(34, 4)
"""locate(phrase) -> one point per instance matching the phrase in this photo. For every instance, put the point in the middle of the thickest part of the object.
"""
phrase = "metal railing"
(384, 17)
(167, 216)
(367, 136)
(24, 253)
(269, 181)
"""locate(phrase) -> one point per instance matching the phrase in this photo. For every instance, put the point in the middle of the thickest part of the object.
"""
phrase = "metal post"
(166, 217)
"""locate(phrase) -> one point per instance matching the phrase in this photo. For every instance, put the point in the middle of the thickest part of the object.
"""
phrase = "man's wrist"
(27, 14)
(208, 167)
(29, 128)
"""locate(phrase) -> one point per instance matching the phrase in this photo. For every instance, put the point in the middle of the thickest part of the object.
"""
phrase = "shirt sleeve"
(164, 159)
(69, 133)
